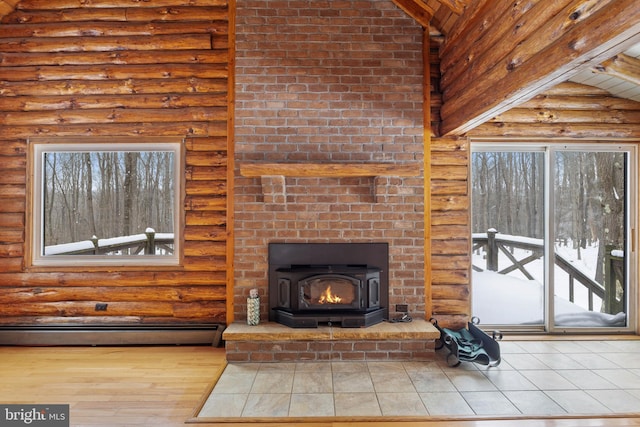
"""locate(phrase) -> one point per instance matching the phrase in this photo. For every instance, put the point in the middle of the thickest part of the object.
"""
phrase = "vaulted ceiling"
(497, 54)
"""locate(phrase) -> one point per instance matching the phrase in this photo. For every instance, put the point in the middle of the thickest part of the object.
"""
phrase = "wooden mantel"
(273, 175)
(335, 170)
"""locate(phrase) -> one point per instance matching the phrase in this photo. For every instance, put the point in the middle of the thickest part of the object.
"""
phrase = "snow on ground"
(504, 300)
(513, 299)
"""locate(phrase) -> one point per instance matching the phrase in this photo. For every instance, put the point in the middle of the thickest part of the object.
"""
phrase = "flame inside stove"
(329, 298)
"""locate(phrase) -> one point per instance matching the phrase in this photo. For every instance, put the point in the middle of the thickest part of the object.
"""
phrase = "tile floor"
(535, 378)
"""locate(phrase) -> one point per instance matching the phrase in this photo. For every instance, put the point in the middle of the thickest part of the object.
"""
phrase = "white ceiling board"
(614, 85)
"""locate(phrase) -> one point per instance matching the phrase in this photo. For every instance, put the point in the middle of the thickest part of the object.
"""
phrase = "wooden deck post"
(150, 248)
(613, 270)
(492, 250)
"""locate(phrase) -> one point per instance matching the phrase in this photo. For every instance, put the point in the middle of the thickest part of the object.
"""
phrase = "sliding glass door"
(551, 236)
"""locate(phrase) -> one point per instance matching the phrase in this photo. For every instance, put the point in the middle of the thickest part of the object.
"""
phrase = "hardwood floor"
(164, 386)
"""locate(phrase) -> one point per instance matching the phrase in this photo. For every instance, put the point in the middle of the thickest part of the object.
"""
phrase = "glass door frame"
(631, 223)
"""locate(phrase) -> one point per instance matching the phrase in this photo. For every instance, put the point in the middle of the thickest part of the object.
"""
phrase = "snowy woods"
(106, 194)
(588, 204)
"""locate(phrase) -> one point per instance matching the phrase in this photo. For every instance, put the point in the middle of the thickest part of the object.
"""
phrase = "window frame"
(550, 147)
(35, 202)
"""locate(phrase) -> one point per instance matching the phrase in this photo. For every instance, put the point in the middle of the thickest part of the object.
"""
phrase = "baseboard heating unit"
(210, 334)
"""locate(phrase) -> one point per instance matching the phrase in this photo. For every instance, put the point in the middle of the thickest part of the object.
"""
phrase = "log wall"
(118, 68)
(569, 111)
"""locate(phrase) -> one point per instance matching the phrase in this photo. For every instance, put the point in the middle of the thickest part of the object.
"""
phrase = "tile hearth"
(535, 378)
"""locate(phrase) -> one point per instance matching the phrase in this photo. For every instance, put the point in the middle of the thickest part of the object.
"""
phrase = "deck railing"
(611, 292)
(148, 243)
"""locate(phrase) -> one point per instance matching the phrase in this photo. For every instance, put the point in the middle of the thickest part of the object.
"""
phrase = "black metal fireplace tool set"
(470, 344)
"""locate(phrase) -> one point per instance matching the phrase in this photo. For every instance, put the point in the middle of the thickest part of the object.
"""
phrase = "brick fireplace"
(328, 84)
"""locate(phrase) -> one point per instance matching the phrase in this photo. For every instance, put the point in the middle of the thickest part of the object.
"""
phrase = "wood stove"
(312, 283)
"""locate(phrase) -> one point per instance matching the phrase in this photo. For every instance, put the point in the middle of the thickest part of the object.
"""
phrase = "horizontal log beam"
(208, 233)
(110, 294)
(186, 13)
(562, 130)
(97, 28)
(115, 115)
(12, 176)
(584, 43)
(449, 187)
(12, 147)
(328, 169)
(11, 250)
(195, 173)
(449, 203)
(524, 115)
(12, 220)
(211, 264)
(107, 43)
(622, 66)
(11, 191)
(207, 144)
(113, 87)
(60, 102)
(450, 218)
(450, 307)
(195, 203)
(206, 188)
(111, 72)
(11, 235)
(445, 262)
(206, 159)
(73, 4)
(458, 158)
(115, 279)
(450, 247)
(120, 308)
(123, 57)
(198, 248)
(181, 129)
(29, 17)
(587, 103)
(101, 321)
(204, 218)
(576, 89)
(448, 172)
(449, 287)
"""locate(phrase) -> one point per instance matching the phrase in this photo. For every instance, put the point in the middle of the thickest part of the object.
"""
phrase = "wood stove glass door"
(329, 291)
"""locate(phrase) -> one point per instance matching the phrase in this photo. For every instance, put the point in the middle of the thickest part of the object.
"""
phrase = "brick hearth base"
(273, 342)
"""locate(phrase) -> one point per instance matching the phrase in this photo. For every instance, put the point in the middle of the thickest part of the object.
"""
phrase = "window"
(106, 202)
(552, 232)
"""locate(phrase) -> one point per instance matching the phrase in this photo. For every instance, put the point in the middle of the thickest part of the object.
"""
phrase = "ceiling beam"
(622, 66)
(418, 10)
(456, 6)
(585, 40)
(7, 6)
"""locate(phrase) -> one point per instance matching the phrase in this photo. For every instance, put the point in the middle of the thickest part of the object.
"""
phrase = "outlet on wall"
(402, 308)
